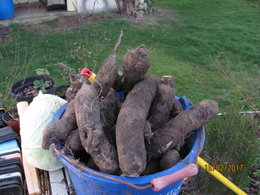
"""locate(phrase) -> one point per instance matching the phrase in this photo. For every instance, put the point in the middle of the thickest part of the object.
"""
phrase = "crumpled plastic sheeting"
(37, 116)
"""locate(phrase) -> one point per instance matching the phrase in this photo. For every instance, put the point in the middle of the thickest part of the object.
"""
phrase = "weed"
(42, 85)
(231, 139)
(51, 23)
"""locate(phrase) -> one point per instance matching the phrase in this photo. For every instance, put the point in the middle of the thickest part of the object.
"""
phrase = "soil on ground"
(64, 23)
(4, 34)
(32, 90)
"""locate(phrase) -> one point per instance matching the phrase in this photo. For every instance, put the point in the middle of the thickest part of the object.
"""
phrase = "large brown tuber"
(107, 74)
(73, 142)
(176, 108)
(176, 129)
(136, 64)
(76, 81)
(169, 159)
(75, 87)
(61, 129)
(152, 166)
(162, 104)
(87, 109)
(109, 108)
(103, 83)
(119, 82)
(91, 164)
(130, 127)
(92, 135)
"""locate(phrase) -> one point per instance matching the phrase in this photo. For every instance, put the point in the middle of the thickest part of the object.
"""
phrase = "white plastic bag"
(37, 116)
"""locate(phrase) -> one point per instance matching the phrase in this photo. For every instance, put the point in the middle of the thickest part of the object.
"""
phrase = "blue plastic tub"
(89, 181)
(6, 9)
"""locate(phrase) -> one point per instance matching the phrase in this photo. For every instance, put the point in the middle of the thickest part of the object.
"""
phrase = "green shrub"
(231, 139)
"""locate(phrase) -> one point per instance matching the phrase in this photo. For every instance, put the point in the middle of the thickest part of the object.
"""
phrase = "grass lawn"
(210, 47)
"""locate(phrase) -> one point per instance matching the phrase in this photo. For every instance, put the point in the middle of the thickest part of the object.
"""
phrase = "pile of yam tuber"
(136, 135)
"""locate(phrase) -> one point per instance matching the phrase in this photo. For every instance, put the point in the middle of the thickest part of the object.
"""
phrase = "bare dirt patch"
(63, 23)
(4, 33)
(154, 18)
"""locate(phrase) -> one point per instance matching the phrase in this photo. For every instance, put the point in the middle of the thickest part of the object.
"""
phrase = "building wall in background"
(95, 6)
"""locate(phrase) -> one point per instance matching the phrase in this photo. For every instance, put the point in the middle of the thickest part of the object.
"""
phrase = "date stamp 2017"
(228, 167)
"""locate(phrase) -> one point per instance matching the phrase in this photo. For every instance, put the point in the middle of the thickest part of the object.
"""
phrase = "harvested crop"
(62, 128)
(176, 129)
(141, 134)
(176, 108)
(130, 127)
(74, 87)
(162, 104)
(136, 64)
(91, 164)
(109, 108)
(107, 74)
(152, 166)
(92, 135)
(119, 82)
(88, 115)
(169, 159)
(73, 142)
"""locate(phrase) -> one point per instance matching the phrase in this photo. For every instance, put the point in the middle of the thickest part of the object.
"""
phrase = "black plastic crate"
(7, 134)
(11, 184)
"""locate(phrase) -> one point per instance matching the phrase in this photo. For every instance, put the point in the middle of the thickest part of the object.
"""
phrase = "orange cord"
(76, 164)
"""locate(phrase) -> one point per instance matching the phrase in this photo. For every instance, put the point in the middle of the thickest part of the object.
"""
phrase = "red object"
(86, 72)
(15, 125)
(161, 182)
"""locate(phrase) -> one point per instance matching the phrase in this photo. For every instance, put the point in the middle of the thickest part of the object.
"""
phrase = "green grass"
(51, 23)
(212, 47)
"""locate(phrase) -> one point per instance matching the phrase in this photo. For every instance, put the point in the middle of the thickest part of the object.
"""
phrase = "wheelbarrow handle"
(161, 182)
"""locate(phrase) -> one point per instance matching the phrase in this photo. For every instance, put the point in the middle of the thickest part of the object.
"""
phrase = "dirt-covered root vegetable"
(93, 138)
(111, 135)
(176, 129)
(91, 164)
(168, 80)
(62, 128)
(130, 127)
(75, 87)
(109, 108)
(169, 159)
(73, 142)
(148, 133)
(176, 108)
(136, 64)
(152, 166)
(119, 82)
(107, 74)
(162, 104)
